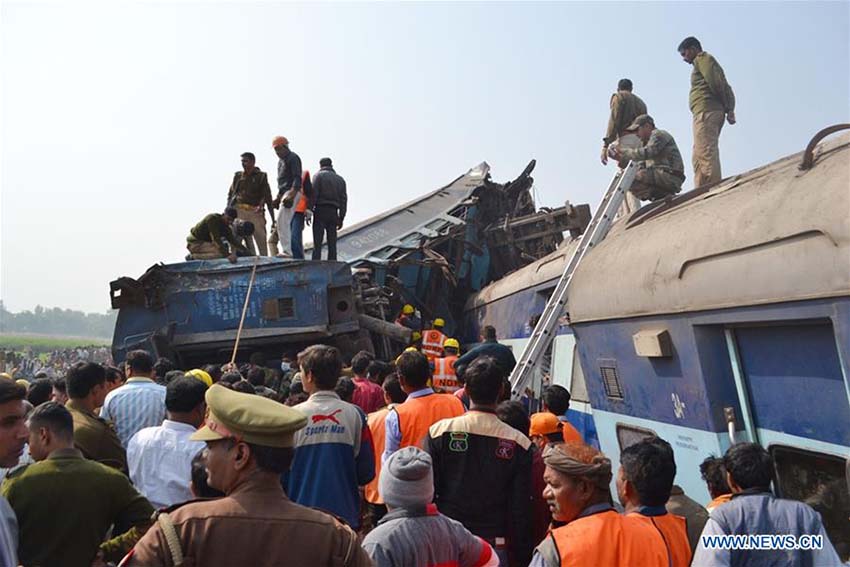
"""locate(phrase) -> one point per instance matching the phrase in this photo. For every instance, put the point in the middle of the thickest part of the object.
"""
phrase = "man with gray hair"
(413, 532)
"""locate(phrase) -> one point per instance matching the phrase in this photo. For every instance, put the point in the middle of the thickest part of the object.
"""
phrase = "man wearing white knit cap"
(413, 532)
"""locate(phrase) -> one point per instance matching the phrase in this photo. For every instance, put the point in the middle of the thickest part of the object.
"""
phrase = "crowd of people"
(321, 461)
(30, 364)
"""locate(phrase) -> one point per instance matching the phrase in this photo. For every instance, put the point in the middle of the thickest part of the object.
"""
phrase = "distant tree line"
(56, 321)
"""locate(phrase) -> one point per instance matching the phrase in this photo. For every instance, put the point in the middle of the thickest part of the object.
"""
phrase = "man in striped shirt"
(139, 403)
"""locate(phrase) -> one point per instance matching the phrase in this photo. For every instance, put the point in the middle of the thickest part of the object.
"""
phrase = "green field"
(46, 343)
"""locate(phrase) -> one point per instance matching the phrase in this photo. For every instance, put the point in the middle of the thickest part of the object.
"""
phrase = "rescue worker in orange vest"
(393, 395)
(445, 379)
(433, 339)
(407, 424)
(644, 482)
(577, 478)
(407, 318)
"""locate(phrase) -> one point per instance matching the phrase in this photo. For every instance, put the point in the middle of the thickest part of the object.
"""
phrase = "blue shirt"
(392, 430)
(139, 403)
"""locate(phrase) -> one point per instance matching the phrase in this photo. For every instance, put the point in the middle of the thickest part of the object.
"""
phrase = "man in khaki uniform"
(249, 445)
(248, 192)
(661, 170)
(93, 436)
(213, 237)
(625, 107)
(711, 100)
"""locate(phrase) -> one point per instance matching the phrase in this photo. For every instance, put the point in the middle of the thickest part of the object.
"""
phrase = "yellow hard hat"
(439, 322)
(201, 375)
(411, 349)
(415, 336)
(407, 309)
(451, 343)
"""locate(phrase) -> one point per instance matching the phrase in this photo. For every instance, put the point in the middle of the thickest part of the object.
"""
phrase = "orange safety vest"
(609, 539)
(306, 185)
(417, 415)
(376, 422)
(722, 499)
(444, 374)
(674, 533)
(432, 343)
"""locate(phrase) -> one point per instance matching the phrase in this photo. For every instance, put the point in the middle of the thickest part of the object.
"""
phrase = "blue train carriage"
(512, 305)
(724, 316)
(190, 311)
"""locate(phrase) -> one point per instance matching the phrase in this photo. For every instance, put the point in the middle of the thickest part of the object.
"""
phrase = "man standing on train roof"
(328, 202)
(210, 237)
(754, 510)
(433, 339)
(625, 107)
(288, 191)
(250, 443)
(661, 171)
(644, 482)
(445, 378)
(248, 192)
(711, 100)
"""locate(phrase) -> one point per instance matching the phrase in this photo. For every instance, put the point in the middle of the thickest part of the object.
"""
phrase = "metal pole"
(244, 310)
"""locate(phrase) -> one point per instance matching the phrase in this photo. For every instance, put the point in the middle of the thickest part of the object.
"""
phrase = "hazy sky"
(122, 124)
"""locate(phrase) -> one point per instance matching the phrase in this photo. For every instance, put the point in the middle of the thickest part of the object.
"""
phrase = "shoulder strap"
(171, 538)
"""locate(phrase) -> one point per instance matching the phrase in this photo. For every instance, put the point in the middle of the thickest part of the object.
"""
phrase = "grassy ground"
(42, 343)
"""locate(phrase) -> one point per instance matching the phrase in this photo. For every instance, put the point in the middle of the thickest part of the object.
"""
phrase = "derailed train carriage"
(722, 315)
(431, 252)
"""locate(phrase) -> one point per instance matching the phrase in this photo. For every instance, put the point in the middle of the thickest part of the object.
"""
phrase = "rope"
(244, 310)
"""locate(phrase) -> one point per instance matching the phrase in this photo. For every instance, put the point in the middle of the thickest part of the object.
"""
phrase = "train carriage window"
(628, 435)
(818, 480)
(611, 378)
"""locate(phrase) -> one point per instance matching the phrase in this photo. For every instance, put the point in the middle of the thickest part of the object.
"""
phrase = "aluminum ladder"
(547, 325)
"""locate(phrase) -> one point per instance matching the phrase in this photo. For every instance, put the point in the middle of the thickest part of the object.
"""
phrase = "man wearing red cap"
(289, 225)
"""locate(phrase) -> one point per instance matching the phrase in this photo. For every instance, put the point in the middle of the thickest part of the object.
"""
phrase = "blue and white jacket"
(333, 457)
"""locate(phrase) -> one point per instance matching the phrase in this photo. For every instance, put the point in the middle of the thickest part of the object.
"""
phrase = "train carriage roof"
(774, 234)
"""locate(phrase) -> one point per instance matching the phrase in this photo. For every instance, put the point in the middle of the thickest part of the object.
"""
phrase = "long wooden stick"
(244, 310)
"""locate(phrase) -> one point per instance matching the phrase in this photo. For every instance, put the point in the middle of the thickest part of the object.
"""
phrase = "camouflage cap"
(249, 418)
(640, 121)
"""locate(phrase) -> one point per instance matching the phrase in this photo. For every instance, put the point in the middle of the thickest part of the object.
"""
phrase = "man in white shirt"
(160, 458)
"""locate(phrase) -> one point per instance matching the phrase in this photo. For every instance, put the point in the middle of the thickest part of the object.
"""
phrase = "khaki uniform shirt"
(95, 437)
(660, 151)
(625, 107)
(255, 525)
(252, 189)
(212, 228)
(709, 89)
(65, 505)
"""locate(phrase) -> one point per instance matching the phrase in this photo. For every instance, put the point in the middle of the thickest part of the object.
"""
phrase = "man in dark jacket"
(488, 347)
(482, 468)
(329, 202)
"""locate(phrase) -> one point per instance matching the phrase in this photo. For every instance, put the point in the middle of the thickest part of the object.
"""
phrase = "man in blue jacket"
(333, 453)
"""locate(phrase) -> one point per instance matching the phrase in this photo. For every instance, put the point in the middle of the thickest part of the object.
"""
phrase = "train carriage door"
(792, 383)
(795, 399)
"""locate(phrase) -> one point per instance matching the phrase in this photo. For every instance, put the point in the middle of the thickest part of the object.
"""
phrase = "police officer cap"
(249, 418)
(640, 121)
